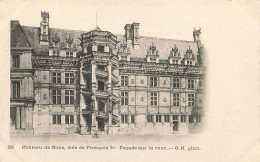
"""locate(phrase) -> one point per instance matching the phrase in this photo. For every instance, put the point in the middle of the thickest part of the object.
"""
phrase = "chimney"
(128, 32)
(135, 31)
(44, 28)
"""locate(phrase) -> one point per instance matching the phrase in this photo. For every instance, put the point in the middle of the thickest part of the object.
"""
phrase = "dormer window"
(101, 48)
(189, 62)
(152, 54)
(174, 55)
(69, 54)
(56, 53)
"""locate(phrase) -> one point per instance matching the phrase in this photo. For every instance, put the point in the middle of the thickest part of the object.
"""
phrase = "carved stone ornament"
(133, 99)
(175, 52)
(152, 50)
(56, 39)
(164, 82)
(69, 40)
(165, 100)
(142, 81)
(44, 77)
(189, 54)
(45, 96)
(123, 47)
(142, 98)
(132, 81)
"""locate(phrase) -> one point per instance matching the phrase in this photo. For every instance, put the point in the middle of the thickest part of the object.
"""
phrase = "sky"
(160, 19)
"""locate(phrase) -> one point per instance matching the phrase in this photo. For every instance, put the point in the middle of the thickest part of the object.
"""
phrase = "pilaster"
(18, 120)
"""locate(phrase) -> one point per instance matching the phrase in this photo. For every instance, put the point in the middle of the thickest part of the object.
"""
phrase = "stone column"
(162, 118)
(109, 84)
(26, 117)
(23, 118)
(30, 118)
(93, 95)
(82, 105)
(170, 118)
(50, 115)
(75, 118)
(129, 119)
(109, 90)
(18, 119)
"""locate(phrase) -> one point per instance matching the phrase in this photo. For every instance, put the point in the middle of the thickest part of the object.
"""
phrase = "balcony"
(101, 114)
(101, 73)
(86, 91)
(86, 71)
(114, 78)
(102, 94)
(114, 98)
(115, 118)
(85, 111)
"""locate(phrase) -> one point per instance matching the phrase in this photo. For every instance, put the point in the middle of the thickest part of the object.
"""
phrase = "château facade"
(68, 81)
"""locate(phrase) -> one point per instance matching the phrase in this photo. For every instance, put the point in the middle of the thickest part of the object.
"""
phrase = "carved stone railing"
(115, 117)
(115, 98)
(101, 93)
(101, 114)
(114, 78)
(85, 111)
(101, 73)
(87, 71)
(86, 91)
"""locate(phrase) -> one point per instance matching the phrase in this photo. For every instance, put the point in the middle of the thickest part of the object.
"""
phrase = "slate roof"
(18, 37)
(164, 46)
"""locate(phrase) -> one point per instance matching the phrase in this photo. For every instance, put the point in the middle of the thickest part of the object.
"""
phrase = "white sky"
(161, 19)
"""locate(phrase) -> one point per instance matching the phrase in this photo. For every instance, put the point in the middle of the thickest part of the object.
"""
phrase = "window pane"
(71, 100)
(66, 99)
(59, 119)
(54, 119)
(71, 80)
(66, 119)
(132, 119)
(67, 80)
(71, 119)
(59, 99)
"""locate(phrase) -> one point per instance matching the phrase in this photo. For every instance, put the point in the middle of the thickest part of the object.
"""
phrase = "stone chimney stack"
(132, 34)
(135, 29)
(128, 32)
(44, 28)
